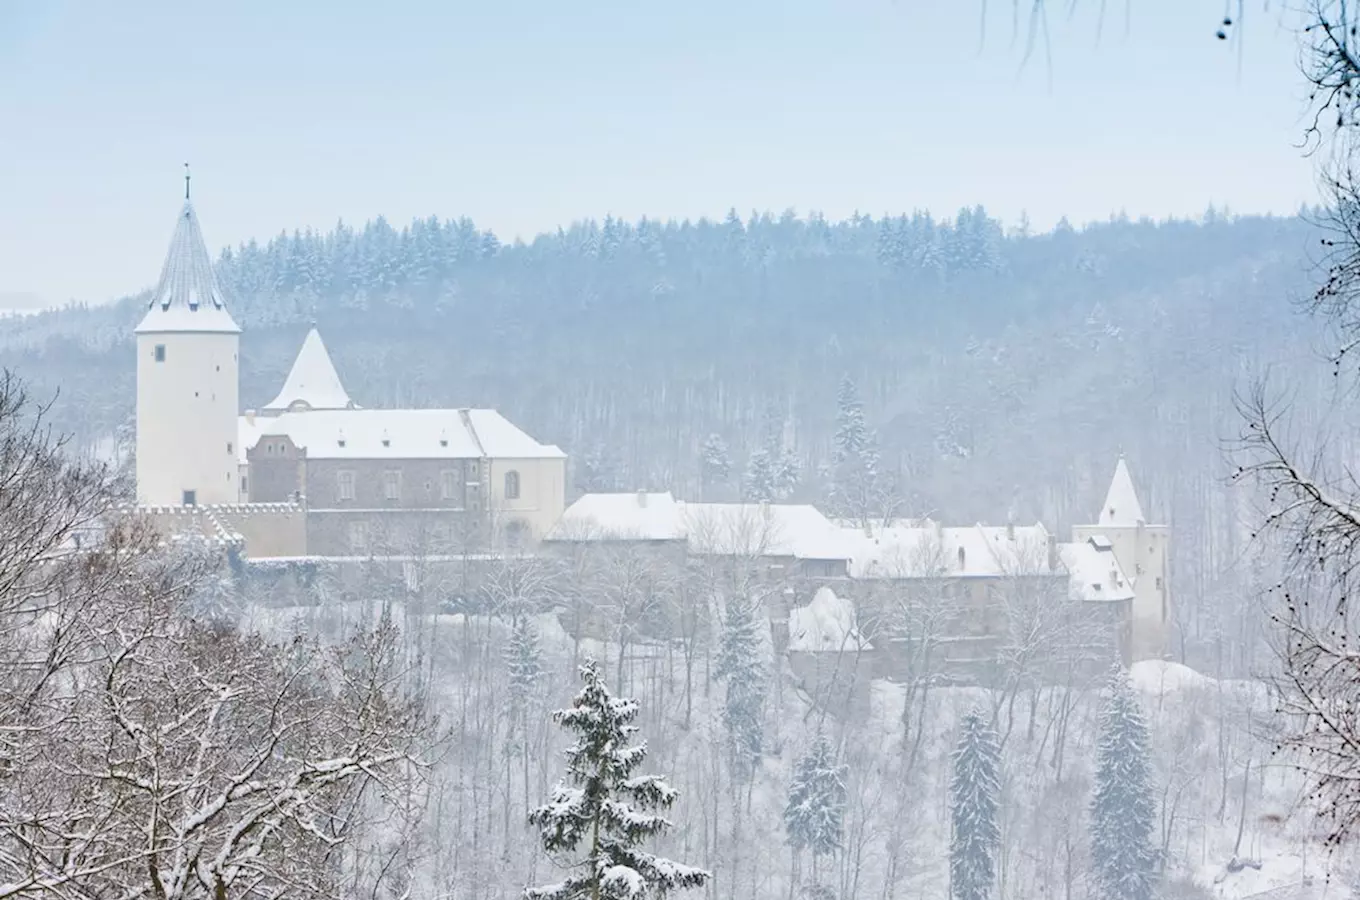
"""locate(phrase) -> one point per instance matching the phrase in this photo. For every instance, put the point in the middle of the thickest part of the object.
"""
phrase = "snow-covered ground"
(1227, 817)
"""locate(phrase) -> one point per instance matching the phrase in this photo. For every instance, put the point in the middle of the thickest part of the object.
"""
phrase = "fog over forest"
(918, 553)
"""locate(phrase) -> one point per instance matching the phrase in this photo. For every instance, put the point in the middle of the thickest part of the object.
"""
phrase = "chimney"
(250, 417)
(765, 509)
(642, 499)
(1052, 553)
(1010, 530)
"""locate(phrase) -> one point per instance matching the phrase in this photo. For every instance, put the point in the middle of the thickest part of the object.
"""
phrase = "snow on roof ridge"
(412, 434)
(312, 381)
(187, 297)
(1121, 509)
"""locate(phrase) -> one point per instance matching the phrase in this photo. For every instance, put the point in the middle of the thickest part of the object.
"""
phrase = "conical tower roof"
(187, 298)
(1121, 509)
(312, 382)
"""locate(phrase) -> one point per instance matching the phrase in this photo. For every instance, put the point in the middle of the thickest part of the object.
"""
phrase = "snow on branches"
(605, 805)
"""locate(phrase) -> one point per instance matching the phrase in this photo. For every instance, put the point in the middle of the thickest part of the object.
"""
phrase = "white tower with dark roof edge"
(1141, 550)
(187, 364)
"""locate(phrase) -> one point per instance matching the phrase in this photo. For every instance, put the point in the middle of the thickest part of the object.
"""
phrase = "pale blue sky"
(525, 114)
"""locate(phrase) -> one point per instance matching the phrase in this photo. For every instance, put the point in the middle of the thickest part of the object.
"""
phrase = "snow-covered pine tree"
(1123, 809)
(605, 806)
(815, 814)
(715, 463)
(854, 473)
(759, 482)
(852, 435)
(523, 664)
(740, 665)
(974, 794)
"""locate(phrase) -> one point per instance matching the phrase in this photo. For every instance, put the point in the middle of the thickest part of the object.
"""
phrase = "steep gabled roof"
(312, 382)
(1121, 509)
(187, 297)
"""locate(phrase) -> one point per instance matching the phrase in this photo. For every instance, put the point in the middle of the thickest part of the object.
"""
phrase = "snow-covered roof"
(1121, 509)
(763, 529)
(1095, 572)
(827, 623)
(931, 550)
(640, 516)
(398, 434)
(711, 529)
(187, 297)
(312, 382)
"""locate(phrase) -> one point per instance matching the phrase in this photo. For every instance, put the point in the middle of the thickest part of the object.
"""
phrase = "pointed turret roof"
(187, 298)
(313, 381)
(1121, 509)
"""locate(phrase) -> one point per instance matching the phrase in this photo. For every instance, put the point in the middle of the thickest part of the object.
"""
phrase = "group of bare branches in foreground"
(148, 754)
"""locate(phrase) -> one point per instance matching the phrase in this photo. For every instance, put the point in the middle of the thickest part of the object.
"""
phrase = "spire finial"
(186, 182)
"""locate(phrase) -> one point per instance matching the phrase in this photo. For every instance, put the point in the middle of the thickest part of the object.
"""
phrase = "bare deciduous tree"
(145, 752)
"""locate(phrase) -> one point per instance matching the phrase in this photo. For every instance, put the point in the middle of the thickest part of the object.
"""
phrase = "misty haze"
(754, 451)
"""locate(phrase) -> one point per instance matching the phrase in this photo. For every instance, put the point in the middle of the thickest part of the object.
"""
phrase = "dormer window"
(386, 441)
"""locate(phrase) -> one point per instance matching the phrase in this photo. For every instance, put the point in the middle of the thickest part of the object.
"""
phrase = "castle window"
(229, 447)
(392, 485)
(191, 498)
(358, 535)
(512, 485)
(345, 484)
(1159, 582)
(243, 484)
(448, 484)
(472, 470)
(160, 353)
(962, 558)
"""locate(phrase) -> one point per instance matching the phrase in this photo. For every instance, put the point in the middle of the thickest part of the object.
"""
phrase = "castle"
(313, 475)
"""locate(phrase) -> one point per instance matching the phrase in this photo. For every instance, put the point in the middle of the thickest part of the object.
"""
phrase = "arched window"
(512, 485)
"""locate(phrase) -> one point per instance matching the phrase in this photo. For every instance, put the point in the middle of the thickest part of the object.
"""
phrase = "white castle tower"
(187, 408)
(1141, 550)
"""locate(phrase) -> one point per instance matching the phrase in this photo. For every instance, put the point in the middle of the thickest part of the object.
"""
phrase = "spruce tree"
(740, 665)
(523, 665)
(974, 794)
(1123, 810)
(854, 472)
(715, 462)
(815, 814)
(760, 477)
(604, 806)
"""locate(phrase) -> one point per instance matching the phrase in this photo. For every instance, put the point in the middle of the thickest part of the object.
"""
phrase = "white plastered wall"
(187, 418)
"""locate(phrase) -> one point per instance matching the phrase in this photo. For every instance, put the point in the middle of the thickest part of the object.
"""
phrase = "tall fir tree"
(604, 806)
(740, 665)
(814, 816)
(524, 665)
(715, 464)
(974, 794)
(855, 492)
(1123, 808)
